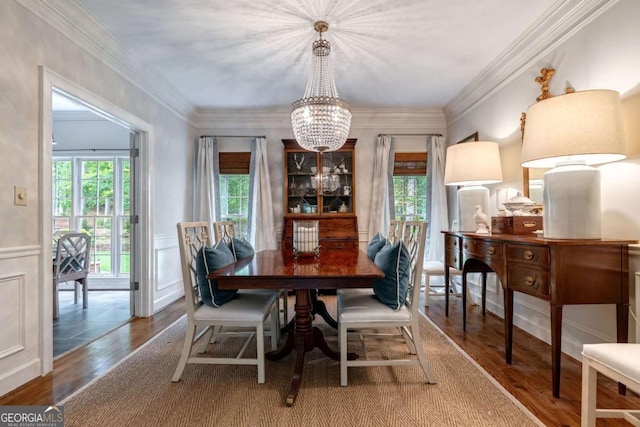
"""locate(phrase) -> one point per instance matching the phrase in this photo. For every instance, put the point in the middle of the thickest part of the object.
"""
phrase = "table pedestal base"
(303, 338)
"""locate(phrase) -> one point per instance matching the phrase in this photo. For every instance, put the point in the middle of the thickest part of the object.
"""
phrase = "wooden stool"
(618, 361)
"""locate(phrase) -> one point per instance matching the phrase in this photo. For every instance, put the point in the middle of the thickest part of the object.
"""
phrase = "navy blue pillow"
(240, 248)
(207, 260)
(375, 245)
(395, 261)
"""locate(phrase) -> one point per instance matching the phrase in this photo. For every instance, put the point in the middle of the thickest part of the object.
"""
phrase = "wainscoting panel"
(20, 316)
(12, 315)
(168, 271)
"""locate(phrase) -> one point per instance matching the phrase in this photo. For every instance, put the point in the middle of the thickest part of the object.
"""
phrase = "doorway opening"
(141, 175)
(93, 192)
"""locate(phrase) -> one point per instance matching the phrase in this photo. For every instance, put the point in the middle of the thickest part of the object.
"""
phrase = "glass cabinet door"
(319, 183)
(337, 182)
(302, 182)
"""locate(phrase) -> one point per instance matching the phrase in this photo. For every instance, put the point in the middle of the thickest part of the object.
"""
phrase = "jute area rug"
(139, 391)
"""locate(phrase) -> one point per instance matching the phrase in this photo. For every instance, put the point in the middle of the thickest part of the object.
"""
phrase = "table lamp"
(471, 164)
(569, 133)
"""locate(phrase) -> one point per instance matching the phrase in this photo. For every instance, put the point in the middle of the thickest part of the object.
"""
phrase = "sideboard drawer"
(453, 253)
(533, 281)
(483, 249)
(530, 254)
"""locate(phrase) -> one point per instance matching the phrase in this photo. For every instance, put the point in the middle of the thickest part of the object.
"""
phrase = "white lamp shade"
(582, 126)
(473, 163)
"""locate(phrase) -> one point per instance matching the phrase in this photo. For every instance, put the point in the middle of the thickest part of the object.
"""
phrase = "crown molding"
(73, 21)
(280, 117)
(559, 23)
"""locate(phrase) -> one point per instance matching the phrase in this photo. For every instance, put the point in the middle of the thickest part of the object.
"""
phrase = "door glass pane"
(125, 186)
(125, 242)
(62, 188)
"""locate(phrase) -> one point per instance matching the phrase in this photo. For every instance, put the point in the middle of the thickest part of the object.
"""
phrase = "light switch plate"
(20, 196)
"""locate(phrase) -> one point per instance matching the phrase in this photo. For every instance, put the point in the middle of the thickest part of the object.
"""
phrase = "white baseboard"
(19, 376)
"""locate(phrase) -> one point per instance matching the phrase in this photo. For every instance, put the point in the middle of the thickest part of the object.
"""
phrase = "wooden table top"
(277, 269)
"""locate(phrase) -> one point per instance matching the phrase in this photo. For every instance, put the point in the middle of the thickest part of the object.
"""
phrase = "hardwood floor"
(75, 369)
(528, 378)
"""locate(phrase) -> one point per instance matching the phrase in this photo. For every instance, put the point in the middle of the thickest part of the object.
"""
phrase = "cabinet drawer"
(453, 253)
(453, 259)
(538, 255)
(338, 244)
(483, 249)
(529, 280)
(452, 242)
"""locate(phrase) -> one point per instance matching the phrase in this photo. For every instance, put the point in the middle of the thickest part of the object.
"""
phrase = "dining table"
(280, 269)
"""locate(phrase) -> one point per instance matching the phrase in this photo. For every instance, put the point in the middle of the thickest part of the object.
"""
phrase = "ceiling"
(386, 53)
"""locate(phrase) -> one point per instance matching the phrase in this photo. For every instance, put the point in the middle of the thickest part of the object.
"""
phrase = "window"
(92, 195)
(410, 186)
(234, 190)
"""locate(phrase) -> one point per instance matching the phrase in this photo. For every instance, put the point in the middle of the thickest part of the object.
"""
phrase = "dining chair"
(396, 228)
(225, 230)
(368, 316)
(71, 264)
(617, 361)
(248, 310)
(433, 269)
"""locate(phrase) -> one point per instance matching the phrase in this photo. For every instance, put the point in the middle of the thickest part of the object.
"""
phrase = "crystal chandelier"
(321, 120)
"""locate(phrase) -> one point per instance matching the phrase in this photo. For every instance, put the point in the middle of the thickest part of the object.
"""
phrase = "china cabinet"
(319, 183)
(321, 186)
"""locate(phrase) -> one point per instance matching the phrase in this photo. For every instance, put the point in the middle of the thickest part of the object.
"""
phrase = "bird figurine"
(482, 221)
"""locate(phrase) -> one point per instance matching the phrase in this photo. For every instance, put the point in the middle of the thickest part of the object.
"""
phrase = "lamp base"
(468, 198)
(571, 202)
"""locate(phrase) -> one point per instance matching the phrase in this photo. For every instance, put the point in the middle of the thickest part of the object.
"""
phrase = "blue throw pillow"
(395, 261)
(70, 265)
(375, 245)
(240, 248)
(207, 260)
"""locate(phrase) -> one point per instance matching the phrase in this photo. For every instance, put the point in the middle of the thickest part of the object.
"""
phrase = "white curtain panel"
(438, 216)
(382, 204)
(262, 230)
(207, 198)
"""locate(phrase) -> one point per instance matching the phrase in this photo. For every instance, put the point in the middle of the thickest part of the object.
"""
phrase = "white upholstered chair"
(621, 363)
(436, 269)
(364, 313)
(225, 230)
(247, 310)
(395, 232)
(71, 264)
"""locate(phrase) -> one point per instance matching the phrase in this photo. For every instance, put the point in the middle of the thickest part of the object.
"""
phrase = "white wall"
(27, 42)
(366, 124)
(602, 55)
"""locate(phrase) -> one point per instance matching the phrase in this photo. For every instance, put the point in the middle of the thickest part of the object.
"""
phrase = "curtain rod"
(78, 150)
(409, 134)
(232, 136)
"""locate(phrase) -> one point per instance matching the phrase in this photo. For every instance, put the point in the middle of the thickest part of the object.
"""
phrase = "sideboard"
(558, 271)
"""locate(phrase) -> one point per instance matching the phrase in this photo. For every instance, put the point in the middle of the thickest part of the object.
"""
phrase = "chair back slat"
(414, 238)
(192, 237)
(72, 256)
(224, 230)
(395, 230)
